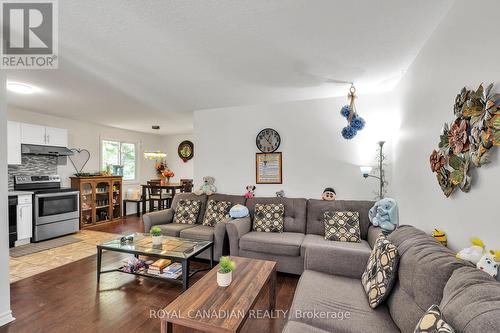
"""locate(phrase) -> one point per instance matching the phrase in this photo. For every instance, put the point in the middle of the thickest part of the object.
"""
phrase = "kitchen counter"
(18, 193)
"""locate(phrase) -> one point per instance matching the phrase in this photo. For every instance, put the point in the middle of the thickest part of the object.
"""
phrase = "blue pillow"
(238, 211)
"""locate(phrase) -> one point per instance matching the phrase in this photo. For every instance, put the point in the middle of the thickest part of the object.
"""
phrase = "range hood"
(45, 150)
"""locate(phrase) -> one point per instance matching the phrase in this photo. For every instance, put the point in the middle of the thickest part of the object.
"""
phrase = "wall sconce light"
(366, 170)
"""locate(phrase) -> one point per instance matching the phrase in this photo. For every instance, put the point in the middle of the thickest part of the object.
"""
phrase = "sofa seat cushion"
(283, 243)
(173, 229)
(298, 327)
(349, 249)
(340, 304)
(201, 232)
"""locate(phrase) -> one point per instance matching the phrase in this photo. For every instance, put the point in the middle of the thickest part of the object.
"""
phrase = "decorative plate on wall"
(467, 143)
(186, 150)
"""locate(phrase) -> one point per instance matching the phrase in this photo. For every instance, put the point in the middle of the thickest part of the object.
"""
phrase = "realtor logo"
(29, 34)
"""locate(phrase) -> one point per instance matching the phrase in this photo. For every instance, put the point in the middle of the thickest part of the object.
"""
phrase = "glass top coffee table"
(176, 249)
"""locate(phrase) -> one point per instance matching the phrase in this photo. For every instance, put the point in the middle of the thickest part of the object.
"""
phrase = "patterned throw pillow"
(217, 211)
(187, 211)
(269, 217)
(433, 322)
(342, 226)
(381, 271)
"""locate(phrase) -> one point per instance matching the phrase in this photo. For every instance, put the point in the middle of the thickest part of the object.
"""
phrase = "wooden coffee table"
(250, 280)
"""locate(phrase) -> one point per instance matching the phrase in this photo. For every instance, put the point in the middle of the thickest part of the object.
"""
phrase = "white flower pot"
(224, 279)
(157, 240)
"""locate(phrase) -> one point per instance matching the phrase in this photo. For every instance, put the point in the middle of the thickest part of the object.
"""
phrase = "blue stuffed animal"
(385, 215)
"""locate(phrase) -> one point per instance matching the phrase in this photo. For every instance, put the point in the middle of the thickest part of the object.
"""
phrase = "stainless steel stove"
(56, 209)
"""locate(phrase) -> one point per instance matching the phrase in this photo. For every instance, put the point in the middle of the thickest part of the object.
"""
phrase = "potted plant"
(225, 272)
(168, 174)
(156, 233)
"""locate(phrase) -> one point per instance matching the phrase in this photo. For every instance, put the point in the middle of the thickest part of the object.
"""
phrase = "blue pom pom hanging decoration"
(345, 111)
(355, 122)
(349, 132)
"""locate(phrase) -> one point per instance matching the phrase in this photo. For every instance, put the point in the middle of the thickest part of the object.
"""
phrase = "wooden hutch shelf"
(100, 199)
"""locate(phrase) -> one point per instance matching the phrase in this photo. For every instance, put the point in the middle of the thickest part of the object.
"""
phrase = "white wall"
(87, 136)
(458, 54)
(181, 169)
(314, 153)
(5, 313)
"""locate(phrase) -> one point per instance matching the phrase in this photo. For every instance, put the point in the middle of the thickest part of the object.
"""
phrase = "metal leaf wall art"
(467, 142)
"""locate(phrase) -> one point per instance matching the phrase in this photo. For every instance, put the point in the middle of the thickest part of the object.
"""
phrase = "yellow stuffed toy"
(473, 253)
(440, 236)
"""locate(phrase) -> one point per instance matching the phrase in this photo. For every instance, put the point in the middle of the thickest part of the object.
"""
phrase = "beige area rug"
(35, 263)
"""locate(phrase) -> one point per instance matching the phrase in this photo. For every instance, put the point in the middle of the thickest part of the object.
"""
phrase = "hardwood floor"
(67, 299)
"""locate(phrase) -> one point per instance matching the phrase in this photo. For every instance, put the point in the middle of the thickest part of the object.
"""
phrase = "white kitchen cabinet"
(33, 134)
(56, 137)
(44, 136)
(24, 219)
(13, 143)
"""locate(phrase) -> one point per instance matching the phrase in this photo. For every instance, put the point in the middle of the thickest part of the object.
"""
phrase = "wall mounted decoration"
(268, 140)
(467, 142)
(355, 122)
(268, 168)
(185, 150)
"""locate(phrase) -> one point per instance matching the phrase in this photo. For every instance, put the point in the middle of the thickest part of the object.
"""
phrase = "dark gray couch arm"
(235, 230)
(345, 262)
(155, 218)
(373, 233)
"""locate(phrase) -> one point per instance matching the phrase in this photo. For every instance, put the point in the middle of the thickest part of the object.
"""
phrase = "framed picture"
(268, 168)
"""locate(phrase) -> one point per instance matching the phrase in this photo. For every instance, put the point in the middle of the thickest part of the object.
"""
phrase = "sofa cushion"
(347, 249)
(424, 268)
(381, 271)
(343, 300)
(284, 243)
(173, 229)
(217, 211)
(191, 196)
(433, 322)
(298, 327)
(269, 217)
(295, 211)
(471, 301)
(201, 232)
(316, 209)
(342, 226)
(187, 211)
(234, 199)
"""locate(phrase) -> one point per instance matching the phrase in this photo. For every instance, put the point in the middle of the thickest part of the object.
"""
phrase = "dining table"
(170, 187)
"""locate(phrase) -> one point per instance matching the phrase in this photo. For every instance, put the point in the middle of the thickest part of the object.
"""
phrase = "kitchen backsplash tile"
(33, 165)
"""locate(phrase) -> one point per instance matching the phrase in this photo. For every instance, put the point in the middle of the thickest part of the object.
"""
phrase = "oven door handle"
(58, 194)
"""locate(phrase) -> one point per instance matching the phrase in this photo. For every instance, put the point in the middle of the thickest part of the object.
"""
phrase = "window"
(119, 154)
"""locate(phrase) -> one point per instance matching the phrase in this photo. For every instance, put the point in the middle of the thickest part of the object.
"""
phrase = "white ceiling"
(131, 64)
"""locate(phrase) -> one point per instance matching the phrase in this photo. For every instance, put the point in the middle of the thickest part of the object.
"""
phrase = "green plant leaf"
(456, 177)
(496, 122)
(455, 162)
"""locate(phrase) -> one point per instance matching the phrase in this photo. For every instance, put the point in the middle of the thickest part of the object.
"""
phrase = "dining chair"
(156, 195)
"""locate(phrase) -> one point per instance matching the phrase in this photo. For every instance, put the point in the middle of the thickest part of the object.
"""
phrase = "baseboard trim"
(6, 318)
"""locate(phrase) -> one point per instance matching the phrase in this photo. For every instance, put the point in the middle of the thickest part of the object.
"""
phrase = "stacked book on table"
(165, 268)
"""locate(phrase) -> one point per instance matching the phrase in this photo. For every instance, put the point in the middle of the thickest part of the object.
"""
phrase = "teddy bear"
(384, 214)
(208, 186)
(329, 194)
(489, 263)
(250, 191)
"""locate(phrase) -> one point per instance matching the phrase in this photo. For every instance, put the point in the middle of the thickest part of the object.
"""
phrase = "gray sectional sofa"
(427, 271)
(217, 234)
(303, 229)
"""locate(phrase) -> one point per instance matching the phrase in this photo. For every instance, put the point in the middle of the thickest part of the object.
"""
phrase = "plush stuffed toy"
(329, 194)
(208, 186)
(473, 253)
(250, 191)
(280, 194)
(385, 214)
(238, 211)
(489, 263)
(440, 236)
